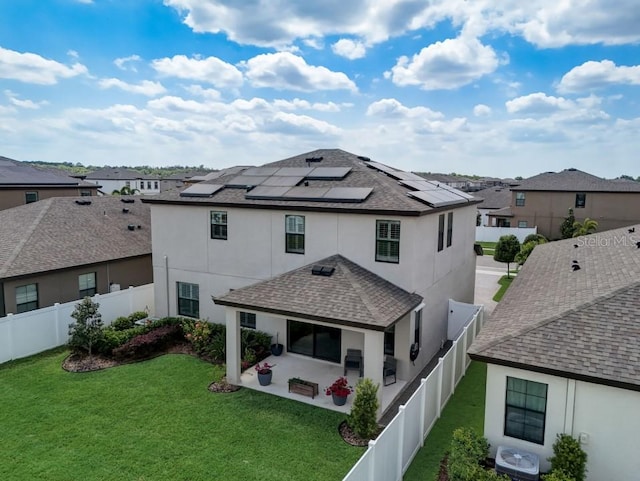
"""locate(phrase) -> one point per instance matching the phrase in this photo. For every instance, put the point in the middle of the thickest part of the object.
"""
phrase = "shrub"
(537, 238)
(197, 332)
(569, 458)
(136, 316)
(468, 449)
(365, 409)
(122, 323)
(113, 338)
(557, 476)
(86, 332)
(145, 345)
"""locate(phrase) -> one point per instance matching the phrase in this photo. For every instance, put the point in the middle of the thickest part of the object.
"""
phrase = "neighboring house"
(115, 178)
(545, 199)
(493, 199)
(179, 180)
(394, 247)
(454, 181)
(563, 351)
(21, 183)
(62, 249)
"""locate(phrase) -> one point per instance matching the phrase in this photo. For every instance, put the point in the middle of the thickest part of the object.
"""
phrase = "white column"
(374, 359)
(233, 346)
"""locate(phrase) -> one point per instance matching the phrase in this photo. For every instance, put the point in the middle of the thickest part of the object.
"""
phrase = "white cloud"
(210, 70)
(285, 71)
(208, 94)
(391, 108)
(350, 49)
(481, 110)
(23, 104)
(125, 63)
(558, 111)
(298, 104)
(292, 124)
(449, 64)
(73, 54)
(538, 103)
(146, 87)
(34, 69)
(594, 75)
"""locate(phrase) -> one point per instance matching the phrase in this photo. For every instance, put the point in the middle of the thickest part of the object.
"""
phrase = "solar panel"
(420, 184)
(381, 167)
(282, 181)
(456, 191)
(436, 198)
(201, 190)
(402, 175)
(328, 173)
(243, 181)
(347, 194)
(306, 193)
(266, 193)
(294, 171)
(262, 171)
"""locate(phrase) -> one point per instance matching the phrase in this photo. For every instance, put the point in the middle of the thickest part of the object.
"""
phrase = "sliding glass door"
(321, 342)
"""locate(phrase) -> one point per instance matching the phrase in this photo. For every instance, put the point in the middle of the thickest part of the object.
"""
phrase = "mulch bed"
(352, 438)
(223, 386)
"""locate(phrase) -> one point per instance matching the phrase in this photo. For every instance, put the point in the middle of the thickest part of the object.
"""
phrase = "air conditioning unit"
(519, 465)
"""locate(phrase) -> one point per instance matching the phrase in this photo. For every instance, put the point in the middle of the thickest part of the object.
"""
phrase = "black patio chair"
(353, 360)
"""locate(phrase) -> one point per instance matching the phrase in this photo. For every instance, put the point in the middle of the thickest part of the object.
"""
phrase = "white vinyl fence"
(390, 454)
(493, 234)
(29, 333)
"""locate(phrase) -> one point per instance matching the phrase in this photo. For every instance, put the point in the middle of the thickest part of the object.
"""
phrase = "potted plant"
(339, 391)
(276, 349)
(264, 373)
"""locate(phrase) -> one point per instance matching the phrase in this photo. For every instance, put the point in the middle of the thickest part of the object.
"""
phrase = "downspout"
(166, 273)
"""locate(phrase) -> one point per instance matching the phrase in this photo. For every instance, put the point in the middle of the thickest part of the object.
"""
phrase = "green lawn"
(156, 420)
(488, 248)
(465, 408)
(504, 282)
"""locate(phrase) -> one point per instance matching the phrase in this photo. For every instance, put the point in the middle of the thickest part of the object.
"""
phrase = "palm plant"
(586, 227)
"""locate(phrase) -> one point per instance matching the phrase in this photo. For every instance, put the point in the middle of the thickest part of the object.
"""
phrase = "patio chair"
(353, 360)
(389, 369)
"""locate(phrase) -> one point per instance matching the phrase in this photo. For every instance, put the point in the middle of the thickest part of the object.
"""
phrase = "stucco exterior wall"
(15, 197)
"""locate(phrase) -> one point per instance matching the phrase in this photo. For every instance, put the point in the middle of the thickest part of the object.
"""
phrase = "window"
(155, 184)
(322, 342)
(294, 234)
(218, 225)
(519, 199)
(449, 229)
(87, 284)
(526, 407)
(127, 183)
(440, 232)
(149, 185)
(248, 320)
(522, 223)
(581, 200)
(85, 193)
(388, 241)
(26, 298)
(188, 299)
(390, 340)
(30, 197)
(417, 327)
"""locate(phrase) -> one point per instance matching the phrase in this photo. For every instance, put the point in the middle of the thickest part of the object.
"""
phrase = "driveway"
(488, 273)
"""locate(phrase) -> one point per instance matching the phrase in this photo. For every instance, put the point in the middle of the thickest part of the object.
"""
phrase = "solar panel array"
(312, 194)
(201, 190)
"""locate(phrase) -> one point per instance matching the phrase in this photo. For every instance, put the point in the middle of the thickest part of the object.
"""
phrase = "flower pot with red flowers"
(264, 373)
(339, 391)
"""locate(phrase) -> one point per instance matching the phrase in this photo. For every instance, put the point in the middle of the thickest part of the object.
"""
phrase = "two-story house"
(544, 201)
(115, 178)
(327, 250)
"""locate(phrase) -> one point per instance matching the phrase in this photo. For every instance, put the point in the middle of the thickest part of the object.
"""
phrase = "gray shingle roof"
(573, 180)
(58, 233)
(387, 196)
(14, 173)
(494, 197)
(119, 173)
(582, 324)
(352, 296)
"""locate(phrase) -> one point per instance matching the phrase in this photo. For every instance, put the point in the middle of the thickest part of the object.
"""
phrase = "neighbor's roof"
(14, 173)
(351, 296)
(574, 180)
(446, 178)
(119, 173)
(504, 212)
(59, 233)
(387, 196)
(581, 324)
(494, 197)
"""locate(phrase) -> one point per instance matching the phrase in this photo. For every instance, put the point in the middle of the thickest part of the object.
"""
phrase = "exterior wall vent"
(83, 202)
(131, 227)
(322, 270)
(128, 201)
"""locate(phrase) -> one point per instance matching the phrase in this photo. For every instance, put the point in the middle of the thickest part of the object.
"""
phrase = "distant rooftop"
(14, 173)
(119, 173)
(494, 197)
(574, 180)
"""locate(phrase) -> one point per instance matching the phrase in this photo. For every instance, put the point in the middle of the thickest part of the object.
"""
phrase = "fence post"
(440, 369)
(130, 294)
(11, 339)
(399, 464)
(372, 461)
(423, 408)
(56, 316)
(454, 353)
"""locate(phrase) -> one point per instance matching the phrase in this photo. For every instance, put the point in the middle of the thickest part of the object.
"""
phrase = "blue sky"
(488, 87)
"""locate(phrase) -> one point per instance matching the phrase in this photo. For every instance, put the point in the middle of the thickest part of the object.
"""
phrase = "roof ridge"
(46, 204)
(366, 299)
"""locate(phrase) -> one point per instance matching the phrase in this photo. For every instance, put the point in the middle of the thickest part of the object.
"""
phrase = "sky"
(499, 88)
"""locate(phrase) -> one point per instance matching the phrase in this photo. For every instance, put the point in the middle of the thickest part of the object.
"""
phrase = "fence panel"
(387, 464)
(412, 432)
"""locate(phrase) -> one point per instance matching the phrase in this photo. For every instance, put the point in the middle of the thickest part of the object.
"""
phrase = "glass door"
(321, 342)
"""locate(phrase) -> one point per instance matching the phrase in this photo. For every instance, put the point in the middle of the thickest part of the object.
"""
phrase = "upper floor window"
(440, 232)
(388, 241)
(218, 225)
(248, 320)
(188, 299)
(26, 298)
(525, 412)
(449, 229)
(149, 185)
(155, 184)
(30, 197)
(87, 284)
(85, 193)
(294, 234)
(519, 199)
(581, 200)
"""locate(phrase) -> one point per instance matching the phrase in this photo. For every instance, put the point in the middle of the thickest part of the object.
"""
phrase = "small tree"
(87, 331)
(530, 242)
(569, 459)
(567, 227)
(364, 411)
(506, 250)
(586, 227)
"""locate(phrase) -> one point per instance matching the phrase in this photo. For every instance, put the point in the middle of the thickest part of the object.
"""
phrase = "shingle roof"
(351, 296)
(446, 178)
(581, 324)
(504, 212)
(388, 195)
(573, 180)
(119, 173)
(14, 173)
(57, 233)
(494, 197)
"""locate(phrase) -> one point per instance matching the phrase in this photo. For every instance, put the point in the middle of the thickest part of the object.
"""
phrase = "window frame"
(247, 320)
(294, 238)
(388, 246)
(520, 199)
(87, 291)
(523, 224)
(31, 193)
(525, 412)
(581, 200)
(221, 226)
(29, 304)
(449, 229)
(440, 232)
(193, 302)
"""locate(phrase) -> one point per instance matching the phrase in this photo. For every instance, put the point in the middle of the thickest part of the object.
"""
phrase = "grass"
(156, 420)
(504, 282)
(488, 248)
(465, 408)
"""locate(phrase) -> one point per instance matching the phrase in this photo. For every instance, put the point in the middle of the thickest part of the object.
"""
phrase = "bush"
(122, 323)
(468, 450)
(537, 238)
(86, 332)
(569, 459)
(365, 409)
(197, 332)
(113, 338)
(557, 476)
(145, 345)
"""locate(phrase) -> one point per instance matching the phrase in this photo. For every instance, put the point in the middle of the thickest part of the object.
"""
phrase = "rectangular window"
(248, 320)
(294, 234)
(30, 197)
(149, 185)
(87, 284)
(390, 340)
(449, 229)
(581, 200)
(218, 225)
(440, 232)
(155, 184)
(417, 328)
(85, 193)
(526, 406)
(519, 199)
(388, 241)
(26, 298)
(522, 223)
(188, 299)
(127, 183)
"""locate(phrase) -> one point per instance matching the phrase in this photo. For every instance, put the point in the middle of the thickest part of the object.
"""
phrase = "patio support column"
(374, 359)
(233, 346)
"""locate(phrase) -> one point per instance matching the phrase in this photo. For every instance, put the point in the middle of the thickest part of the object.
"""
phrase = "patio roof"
(350, 296)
